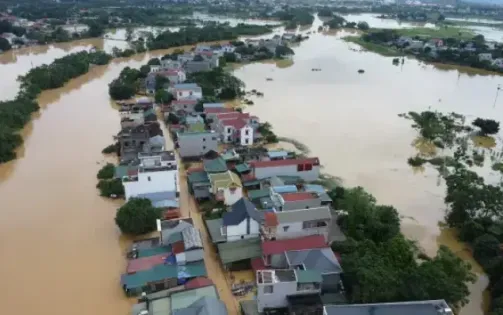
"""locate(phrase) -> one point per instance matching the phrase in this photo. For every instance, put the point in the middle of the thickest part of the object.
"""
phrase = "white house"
(169, 64)
(242, 222)
(156, 179)
(498, 62)
(187, 91)
(236, 127)
(155, 68)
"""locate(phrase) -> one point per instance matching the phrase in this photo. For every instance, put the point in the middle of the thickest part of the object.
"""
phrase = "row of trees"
(381, 265)
(16, 113)
(211, 32)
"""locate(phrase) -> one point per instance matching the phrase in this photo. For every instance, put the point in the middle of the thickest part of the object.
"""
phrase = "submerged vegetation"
(399, 271)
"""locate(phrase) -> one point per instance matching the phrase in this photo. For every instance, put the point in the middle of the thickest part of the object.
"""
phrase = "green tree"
(109, 188)
(282, 51)
(137, 217)
(4, 44)
(145, 70)
(325, 12)
(160, 82)
(163, 97)
(487, 126)
(120, 90)
(95, 29)
(362, 25)
(172, 119)
(107, 171)
(154, 62)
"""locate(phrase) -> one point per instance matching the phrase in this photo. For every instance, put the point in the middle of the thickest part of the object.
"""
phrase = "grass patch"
(486, 142)
(377, 48)
(416, 161)
(441, 32)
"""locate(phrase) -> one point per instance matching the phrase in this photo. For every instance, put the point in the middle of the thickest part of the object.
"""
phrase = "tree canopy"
(137, 217)
(106, 172)
(487, 126)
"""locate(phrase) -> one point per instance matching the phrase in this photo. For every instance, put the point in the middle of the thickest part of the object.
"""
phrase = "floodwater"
(374, 21)
(61, 251)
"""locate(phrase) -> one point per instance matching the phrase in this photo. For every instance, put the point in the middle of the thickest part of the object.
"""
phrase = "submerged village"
(240, 226)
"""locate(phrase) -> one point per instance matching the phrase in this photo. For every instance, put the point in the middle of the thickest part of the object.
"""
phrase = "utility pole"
(497, 93)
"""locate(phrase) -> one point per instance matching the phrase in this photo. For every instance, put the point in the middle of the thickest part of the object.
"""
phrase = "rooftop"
(195, 134)
(280, 246)
(289, 216)
(240, 210)
(239, 250)
(224, 180)
(276, 163)
(320, 259)
(213, 227)
(433, 307)
(298, 196)
(277, 154)
(145, 263)
(186, 86)
(275, 276)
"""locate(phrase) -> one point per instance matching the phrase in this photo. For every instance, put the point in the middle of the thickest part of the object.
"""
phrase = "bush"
(107, 171)
(487, 126)
(113, 148)
(137, 217)
(109, 188)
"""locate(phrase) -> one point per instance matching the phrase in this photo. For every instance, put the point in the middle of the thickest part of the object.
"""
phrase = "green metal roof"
(213, 227)
(242, 168)
(148, 112)
(184, 299)
(239, 250)
(217, 165)
(251, 183)
(257, 194)
(198, 177)
(152, 251)
(122, 170)
(290, 180)
(308, 276)
(163, 271)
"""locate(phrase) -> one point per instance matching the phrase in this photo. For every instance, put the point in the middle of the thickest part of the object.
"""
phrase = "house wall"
(231, 196)
(246, 136)
(189, 256)
(331, 282)
(235, 232)
(202, 192)
(186, 107)
(295, 230)
(183, 94)
(227, 133)
(302, 204)
(287, 170)
(197, 145)
(277, 298)
(151, 182)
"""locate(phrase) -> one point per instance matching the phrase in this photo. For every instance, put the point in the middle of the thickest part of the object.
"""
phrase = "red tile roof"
(270, 219)
(195, 169)
(178, 247)
(313, 161)
(298, 196)
(145, 263)
(233, 115)
(302, 243)
(258, 264)
(198, 282)
(235, 123)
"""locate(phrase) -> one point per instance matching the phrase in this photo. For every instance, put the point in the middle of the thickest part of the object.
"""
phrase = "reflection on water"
(376, 22)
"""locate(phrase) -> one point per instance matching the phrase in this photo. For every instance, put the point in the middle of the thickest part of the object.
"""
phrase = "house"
(485, 57)
(498, 63)
(135, 139)
(288, 36)
(211, 113)
(175, 76)
(237, 255)
(272, 251)
(161, 277)
(202, 48)
(183, 238)
(197, 66)
(199, 184)
(193, 119)
(273, 155)
(294, 200)
(156, 179)
(196, 144)
(242, 221)
(186, 105)
(403, 40)
(226, 187)
(236, 127)
(436, 42)
(187, 91)
(169, 64)
(186, 57)
(214, 165)
(415, 44)
(298, 223)
(213, 105)
(307, 169)
(277, 288)
(182, 300)
(431, 307)
(227, 48)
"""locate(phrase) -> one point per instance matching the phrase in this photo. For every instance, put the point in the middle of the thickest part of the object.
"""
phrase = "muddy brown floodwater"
(61, 252)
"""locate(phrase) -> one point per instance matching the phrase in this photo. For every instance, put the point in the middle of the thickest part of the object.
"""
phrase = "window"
(246, 141)
(242, 237)
(190, 93)
(204, 139)
(247, 132)
(213, 138)
(148, 178)
(223, 230)
(300, 167)
(204, 147)
(184, 106)
(313, 224)
(268, 289)
(286, 227)
(308, 167)
(228, 138)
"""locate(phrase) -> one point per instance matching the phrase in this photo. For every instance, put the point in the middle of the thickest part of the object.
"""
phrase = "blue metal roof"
(167, 203)
(213, 105)
(285, 189)
(315, 188)
(187, 86)
(277, 154)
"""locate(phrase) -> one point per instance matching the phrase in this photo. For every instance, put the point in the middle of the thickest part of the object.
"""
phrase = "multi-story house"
(306, 168)
(278, 289)
(156, 179)
(133, 140)
(235, 127)
(196, 144)
(186, 91)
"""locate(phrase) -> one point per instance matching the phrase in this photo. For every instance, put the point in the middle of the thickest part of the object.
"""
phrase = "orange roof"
(145, 263)
(275, 163)
(178, 247)
(298, 196)
(271, 219)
